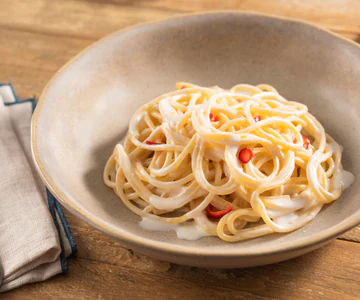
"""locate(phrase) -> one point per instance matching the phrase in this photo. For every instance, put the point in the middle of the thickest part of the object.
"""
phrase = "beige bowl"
(85, 109)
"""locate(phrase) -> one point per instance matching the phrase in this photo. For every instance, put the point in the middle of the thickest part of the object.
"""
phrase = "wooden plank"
(96, 246)
(333, 14)
(307, 277)
(30, 59)
(94, 19)
(93, 280)
(90, 20)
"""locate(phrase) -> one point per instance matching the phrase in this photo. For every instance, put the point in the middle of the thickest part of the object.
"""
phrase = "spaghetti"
(238, 163)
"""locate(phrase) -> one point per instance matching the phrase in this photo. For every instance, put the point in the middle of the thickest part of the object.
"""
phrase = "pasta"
(238, 163)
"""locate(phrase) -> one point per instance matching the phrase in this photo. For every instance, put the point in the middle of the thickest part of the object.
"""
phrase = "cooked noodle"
(181, 162)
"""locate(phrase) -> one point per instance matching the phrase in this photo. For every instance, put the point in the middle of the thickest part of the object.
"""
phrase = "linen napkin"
(35, 239)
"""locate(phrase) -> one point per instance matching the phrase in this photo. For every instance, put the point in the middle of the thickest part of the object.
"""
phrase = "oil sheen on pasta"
(180, 166)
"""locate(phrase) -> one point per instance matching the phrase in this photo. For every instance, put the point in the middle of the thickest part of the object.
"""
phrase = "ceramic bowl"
(85, 109)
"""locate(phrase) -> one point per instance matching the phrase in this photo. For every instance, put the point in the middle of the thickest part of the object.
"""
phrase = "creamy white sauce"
(343, 179)
(177, 200)
(346, 179)
(186, 231)
(286, 220)
(190, 232)
(287, 202)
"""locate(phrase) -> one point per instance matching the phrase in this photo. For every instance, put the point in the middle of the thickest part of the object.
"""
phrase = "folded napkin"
(35, 239)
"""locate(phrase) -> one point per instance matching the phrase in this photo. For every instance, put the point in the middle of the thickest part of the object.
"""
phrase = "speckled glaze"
(85, 109)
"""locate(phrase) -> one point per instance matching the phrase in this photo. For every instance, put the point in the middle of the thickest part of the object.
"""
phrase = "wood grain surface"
(38, 36)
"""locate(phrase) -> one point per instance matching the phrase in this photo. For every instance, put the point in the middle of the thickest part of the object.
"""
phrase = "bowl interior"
(86, 108)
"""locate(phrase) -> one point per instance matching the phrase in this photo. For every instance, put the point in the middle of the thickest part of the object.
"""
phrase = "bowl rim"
(130, 239)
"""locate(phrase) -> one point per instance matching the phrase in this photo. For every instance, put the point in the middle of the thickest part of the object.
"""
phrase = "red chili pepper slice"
(245, 155)
(217, 214)
(213, 118)
(257, 119)
(152, 143)
(306, 142)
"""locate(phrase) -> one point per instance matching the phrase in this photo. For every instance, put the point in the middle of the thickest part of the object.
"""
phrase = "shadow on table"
(276, 281)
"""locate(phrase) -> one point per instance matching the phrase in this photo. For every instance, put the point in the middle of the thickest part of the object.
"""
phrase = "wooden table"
(38, 36)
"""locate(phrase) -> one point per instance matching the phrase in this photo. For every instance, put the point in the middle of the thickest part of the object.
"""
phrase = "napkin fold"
(35, 239)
